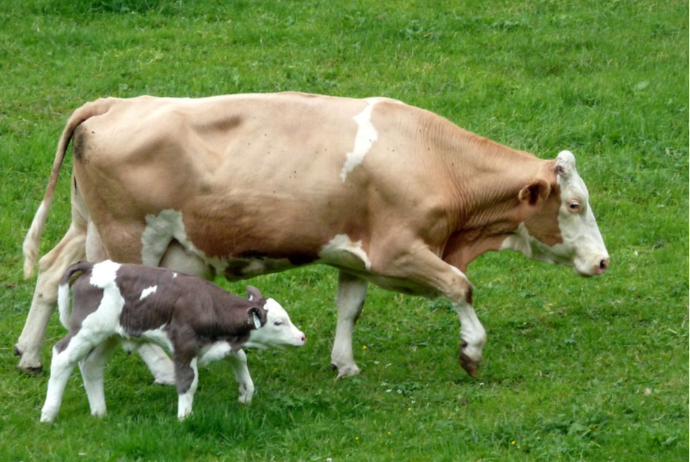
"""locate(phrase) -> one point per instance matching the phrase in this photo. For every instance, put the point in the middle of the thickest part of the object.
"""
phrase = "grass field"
(575, 369)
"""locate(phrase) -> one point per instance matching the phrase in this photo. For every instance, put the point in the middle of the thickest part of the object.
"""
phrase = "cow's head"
(561, 227)
(272, 325)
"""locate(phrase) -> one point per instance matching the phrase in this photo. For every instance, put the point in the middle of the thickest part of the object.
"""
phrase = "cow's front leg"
(426, 269)
(238, 362)
(352, 291)
(159, 363)
(472, 338)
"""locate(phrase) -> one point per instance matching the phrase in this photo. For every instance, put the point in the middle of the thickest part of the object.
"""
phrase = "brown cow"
(244, 185)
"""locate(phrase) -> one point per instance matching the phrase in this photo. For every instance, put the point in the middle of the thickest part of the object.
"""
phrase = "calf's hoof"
(47, 417)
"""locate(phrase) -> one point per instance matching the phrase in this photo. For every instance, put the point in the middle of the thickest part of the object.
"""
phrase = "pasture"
(574, 370)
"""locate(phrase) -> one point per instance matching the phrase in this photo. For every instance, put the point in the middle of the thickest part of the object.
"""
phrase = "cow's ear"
(256, 316)
(253, 294)
(535, 193)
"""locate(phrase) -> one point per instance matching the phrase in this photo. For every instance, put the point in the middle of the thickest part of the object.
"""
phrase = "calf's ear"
(535, 193)
(253, 294)
(256, 316)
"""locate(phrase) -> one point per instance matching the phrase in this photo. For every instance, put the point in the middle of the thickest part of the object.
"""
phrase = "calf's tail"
(33, 237)
(63, 289)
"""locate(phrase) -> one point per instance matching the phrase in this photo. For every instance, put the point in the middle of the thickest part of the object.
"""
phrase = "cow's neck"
(488, 178)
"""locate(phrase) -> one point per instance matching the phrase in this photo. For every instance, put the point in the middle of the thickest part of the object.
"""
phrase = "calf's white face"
(278, 331)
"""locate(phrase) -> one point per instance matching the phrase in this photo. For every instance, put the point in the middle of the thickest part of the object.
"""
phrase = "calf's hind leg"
(66, 354)
(92, 373)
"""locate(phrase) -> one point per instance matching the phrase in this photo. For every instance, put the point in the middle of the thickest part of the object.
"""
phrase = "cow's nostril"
(604, 264)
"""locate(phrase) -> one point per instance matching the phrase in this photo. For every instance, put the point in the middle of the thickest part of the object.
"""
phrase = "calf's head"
(273, 327)
(563, 229)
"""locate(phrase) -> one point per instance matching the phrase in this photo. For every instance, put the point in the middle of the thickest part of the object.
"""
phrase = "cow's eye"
(574, 206)
(278, 323)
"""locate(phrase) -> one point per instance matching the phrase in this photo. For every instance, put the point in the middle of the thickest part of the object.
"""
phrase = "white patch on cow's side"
(341, 251)
(364, 139)
(148, 291)
(161, 230)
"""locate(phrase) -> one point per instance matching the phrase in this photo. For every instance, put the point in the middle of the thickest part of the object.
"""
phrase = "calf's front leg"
(187, 376)
(238, 362)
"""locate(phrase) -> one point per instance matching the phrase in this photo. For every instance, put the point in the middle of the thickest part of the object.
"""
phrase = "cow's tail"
(33, 237)
(63, 289)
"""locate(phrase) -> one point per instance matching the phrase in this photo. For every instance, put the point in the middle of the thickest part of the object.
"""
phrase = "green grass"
(575, 369)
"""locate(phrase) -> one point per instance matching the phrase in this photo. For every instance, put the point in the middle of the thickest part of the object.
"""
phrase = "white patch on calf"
(342, 251)
(364, 139)
(106, 318)
(148, 291)
(159, 337)
(63, 304)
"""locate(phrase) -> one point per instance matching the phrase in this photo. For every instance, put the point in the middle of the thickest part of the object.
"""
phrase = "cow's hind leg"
(352, 291)
(50, 269)
(66, 354)
(92, 372)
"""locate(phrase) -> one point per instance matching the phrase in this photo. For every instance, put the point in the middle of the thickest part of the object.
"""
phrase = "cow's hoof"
(32, 370)
(346, 371)
(468, 364)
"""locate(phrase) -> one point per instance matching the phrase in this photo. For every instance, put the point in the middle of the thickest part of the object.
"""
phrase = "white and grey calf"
(195, 320)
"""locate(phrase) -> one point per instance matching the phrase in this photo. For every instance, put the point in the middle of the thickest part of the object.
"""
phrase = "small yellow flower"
(364, 347)
(356, 438)
(389, 433)
(513, 443)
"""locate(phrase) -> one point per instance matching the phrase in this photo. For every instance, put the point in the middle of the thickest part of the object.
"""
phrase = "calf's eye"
(574, 206)
(278, 323)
